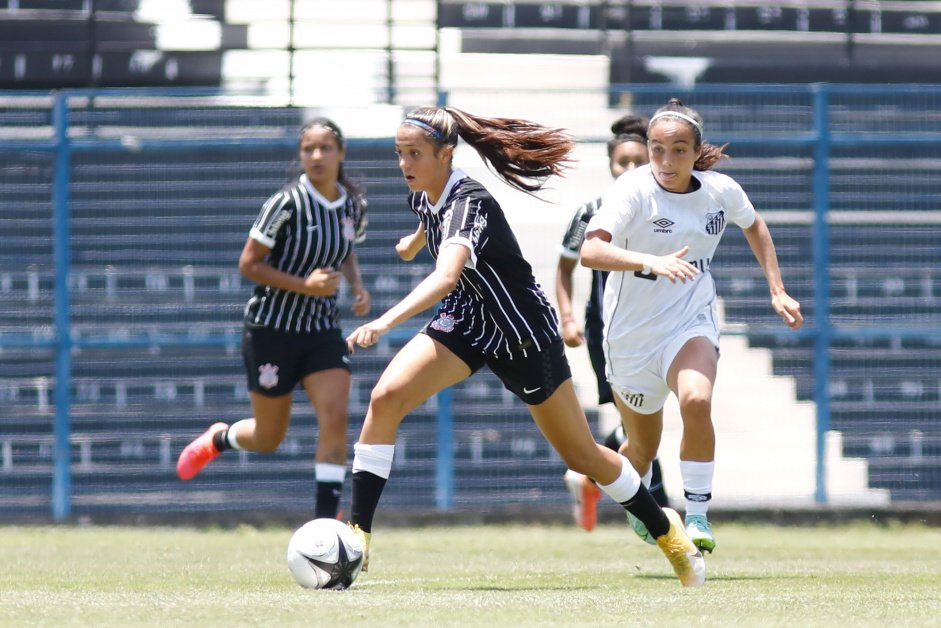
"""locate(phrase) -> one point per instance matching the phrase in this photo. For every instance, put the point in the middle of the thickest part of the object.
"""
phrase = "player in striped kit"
(627, 150)
(492, 312)
(661, 328)
(301, 244)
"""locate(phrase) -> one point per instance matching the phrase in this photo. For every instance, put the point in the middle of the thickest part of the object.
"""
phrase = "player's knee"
(695, 406)
(386, 401)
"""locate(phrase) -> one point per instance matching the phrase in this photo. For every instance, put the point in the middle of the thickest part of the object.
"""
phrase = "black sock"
(644, 507)
(220, 440)
(656, 484)
(612, 442)
(367, 489)
(328, 499)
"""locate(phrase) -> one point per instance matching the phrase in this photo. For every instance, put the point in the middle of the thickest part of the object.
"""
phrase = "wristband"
(647, 263)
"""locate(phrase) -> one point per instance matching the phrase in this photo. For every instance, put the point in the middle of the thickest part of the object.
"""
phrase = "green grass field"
(760, 575)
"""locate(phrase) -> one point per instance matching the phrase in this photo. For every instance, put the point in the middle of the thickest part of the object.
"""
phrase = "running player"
(626, 150)
(660, 323)
(492, 313)
(300, 245)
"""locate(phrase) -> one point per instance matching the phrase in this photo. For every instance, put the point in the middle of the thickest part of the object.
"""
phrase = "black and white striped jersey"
(304, 231)
(570, 248)
(497, 300)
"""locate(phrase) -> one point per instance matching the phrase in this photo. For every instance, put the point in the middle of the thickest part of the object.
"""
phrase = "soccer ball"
(325, 554)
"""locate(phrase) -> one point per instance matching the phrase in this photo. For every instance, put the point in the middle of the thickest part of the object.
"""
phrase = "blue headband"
(424, 126)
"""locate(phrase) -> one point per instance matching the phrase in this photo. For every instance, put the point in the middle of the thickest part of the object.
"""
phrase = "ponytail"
(522, 153)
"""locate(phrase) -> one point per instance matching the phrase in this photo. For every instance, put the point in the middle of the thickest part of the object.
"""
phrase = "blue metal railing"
(819, 138)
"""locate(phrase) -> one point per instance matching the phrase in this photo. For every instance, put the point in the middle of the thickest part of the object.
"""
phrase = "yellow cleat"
(685, 557)
(364, 538)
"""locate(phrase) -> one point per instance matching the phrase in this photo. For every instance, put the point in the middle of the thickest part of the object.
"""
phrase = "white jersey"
(642, 313)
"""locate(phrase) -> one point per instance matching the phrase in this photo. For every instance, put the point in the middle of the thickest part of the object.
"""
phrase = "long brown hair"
(522, 153)
(710, 152)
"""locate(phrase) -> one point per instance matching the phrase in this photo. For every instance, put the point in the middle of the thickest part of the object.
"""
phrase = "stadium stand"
(134, 276)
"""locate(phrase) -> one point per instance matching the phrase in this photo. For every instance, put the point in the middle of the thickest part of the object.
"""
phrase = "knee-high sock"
(697, 485)
(372, 465)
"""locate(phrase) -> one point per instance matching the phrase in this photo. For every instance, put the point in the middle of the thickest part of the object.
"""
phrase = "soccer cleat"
(364, 538)
(585, 496)
(197, 454)
(700, 532)
(641, 529)
(685, 557)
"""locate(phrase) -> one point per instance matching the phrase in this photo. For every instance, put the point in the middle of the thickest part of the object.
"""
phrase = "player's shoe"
(197, 454)
(641, 529)
(685, 557)
(700, 532)
(585, 496)
(364, 538)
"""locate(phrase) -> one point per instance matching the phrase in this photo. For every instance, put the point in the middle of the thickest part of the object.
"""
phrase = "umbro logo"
(663, 225)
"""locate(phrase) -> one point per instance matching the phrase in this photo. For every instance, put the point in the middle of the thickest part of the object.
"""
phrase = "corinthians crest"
(268, 376)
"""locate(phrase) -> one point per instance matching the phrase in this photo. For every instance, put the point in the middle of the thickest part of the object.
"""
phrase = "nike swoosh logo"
(529, 392)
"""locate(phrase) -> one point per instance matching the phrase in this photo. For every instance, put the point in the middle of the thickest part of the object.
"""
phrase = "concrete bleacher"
(144, 271)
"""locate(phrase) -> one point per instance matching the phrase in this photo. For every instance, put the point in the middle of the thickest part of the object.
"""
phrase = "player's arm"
(600, 254)
(572, 333)
(409, 246)
(322, 282)
(361, 297)
(432, 289)
(759, 239)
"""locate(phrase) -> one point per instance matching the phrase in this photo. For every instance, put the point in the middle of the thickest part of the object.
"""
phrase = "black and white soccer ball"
(325, 554)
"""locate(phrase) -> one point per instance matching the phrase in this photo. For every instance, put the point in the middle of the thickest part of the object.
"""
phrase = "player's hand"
(673, 268)
(322, 282)
(406, 247)
(366, 335)
(362, 301)
(788, 309)
(572, 334)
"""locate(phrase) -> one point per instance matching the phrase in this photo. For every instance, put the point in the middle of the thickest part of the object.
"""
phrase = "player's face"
(321, 156)
(424, 170)
(673, 151)
(627, 156)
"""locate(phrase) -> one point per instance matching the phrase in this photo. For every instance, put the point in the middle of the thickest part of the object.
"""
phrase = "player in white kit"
(657, 231)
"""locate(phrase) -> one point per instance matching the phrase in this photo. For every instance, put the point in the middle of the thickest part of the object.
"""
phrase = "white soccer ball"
(325, 554)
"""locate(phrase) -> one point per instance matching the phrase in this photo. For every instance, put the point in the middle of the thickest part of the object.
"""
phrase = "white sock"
(230, 434)
(647, 477)
(697, 485)
(625, 487)
(327, 472)
(376, 459)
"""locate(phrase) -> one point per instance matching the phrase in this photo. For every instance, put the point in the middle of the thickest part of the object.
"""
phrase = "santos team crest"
(715, 223)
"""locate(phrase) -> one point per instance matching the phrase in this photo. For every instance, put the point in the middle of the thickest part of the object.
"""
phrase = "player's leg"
(654, 482)
(422, 368)
(562, 421)
(643, 433)
(271, 361)
(329, 394)
(585, 493)
(692, 376)
(264, 432)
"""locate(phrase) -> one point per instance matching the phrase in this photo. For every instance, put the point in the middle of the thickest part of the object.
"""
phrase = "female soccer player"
(661, 329)
(627, 149)
(492, 312)
(300, 244)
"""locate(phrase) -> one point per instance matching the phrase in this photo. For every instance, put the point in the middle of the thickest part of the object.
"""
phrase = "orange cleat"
(585, 494)
(197, 454)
